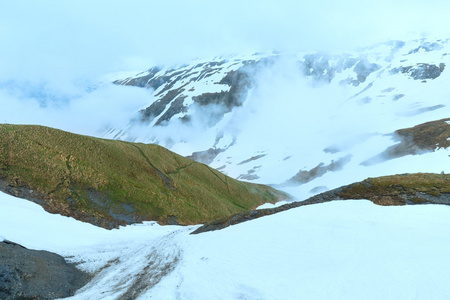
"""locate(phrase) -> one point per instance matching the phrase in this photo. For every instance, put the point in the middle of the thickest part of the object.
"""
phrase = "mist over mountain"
(305, 122)
(342, 104)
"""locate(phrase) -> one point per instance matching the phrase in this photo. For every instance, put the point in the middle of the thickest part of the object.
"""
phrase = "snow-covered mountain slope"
(335, 250)
(304, 122)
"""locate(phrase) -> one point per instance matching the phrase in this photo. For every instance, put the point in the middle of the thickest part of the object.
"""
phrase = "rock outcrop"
(404, 189)
(31, 274)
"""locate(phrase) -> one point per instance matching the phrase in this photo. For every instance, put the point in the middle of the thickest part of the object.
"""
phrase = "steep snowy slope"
(336, 250)
(304, 122)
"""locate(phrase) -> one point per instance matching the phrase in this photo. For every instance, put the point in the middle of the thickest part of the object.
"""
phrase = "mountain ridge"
(319, 117)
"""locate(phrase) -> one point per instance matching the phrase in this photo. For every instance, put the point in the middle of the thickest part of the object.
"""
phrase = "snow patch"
(334, 250)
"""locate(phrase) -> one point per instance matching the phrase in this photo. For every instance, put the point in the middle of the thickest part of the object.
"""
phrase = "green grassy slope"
(401, 189)
(107, 182)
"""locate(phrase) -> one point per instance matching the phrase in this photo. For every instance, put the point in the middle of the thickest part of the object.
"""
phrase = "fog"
(88, 113)
(53, 51)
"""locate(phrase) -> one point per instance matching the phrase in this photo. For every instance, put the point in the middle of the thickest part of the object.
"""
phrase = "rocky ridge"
(404, 189)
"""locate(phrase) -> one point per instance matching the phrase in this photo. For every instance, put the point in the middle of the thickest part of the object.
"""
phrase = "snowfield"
(291, 121)
(336, 250)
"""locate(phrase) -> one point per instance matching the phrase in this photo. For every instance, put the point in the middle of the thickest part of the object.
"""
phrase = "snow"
(336, 250)
(340, 250)
(324, 116)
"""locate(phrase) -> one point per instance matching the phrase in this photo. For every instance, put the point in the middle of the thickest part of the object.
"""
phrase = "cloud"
(54, 47)
(89, 112)
(62, 40)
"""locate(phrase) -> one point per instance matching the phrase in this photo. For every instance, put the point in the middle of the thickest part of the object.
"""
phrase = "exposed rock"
(425, 109)
(416, 140)
(388, 90)
(318, 67)
(397, 97)
(405, 189)
(157, 107)
(421, 71)
(205, 157)
(304, 176)
(171, 95)
(430, 136)
(31, 274)
(22, 190)
(176, 107)
(364, 68)
(145, 81)
(364, 90)
(251, 159)
(249, 176)
(254, 214)
(427, 47)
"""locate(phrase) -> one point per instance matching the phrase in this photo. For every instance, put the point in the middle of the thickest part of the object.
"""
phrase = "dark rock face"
(171, 96)
(157, 107)
(31, 274)
(421, 71)
(238, 81)
(175, 88)
(22, 190)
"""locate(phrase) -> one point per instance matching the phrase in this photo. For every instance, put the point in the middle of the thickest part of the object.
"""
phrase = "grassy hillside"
(401, 189)
(108, 182)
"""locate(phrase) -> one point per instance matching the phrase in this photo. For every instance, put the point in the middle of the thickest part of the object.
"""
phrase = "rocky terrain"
(31, 274)
(227, 81)
(404, 189)
(246, 115)
(321, 127)
(427, 137)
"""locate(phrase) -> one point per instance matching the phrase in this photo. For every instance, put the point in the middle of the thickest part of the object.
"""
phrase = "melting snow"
(336, 250)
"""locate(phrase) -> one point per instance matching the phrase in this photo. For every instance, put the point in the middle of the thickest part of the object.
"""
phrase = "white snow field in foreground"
(337, 250)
